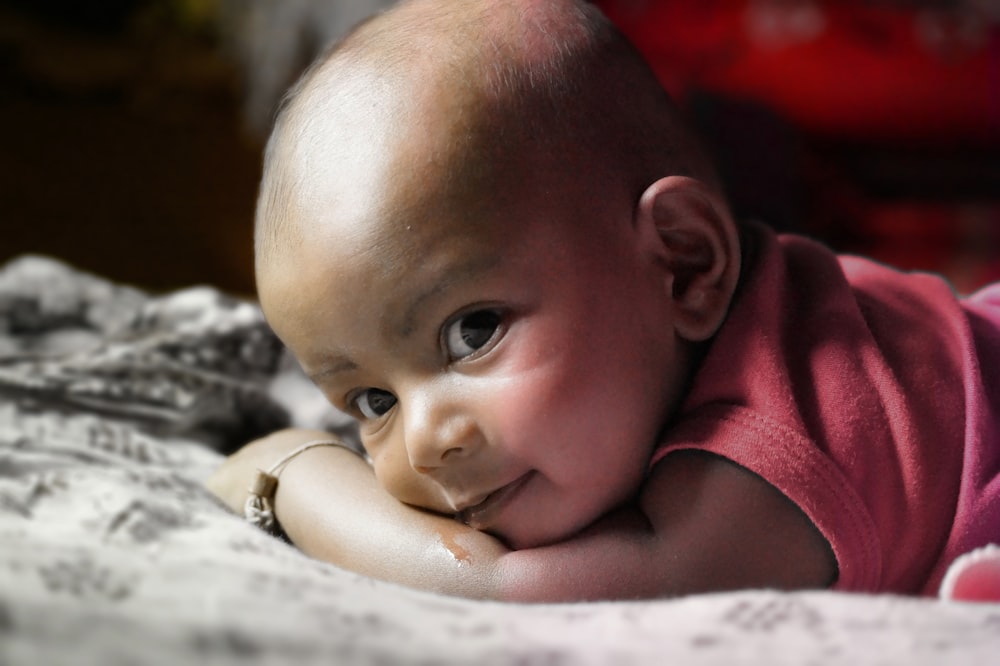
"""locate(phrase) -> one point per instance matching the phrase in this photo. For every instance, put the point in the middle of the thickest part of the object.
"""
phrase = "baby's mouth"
(482, 515)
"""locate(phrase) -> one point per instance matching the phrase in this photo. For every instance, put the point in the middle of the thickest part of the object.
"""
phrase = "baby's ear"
(697, 248)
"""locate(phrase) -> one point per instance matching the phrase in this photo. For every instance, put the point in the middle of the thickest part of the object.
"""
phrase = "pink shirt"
(870, 397)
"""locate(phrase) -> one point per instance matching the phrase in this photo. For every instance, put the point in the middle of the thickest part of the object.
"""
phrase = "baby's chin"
(537, 535)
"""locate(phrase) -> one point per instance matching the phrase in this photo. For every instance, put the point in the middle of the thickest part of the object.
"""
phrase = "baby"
(484, 232)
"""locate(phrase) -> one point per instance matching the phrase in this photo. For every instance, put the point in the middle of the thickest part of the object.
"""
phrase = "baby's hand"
(231, 481)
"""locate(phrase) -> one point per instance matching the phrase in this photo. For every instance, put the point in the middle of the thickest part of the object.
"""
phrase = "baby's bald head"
(454, 98)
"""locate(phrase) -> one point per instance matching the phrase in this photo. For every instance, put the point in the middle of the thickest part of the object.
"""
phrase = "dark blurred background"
(132, 129)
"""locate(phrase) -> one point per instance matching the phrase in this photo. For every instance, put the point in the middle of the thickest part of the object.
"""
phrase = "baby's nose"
(439, 436)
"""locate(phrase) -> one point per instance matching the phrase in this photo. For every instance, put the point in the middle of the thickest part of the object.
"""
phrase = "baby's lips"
(482, 515)
(469, 502)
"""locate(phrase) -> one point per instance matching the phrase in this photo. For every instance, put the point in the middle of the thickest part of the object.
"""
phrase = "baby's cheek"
(535, 407)
(394, 473)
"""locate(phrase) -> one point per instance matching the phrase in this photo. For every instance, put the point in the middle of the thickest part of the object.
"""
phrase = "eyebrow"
(455, 274)
(333, 367)
(467, 270)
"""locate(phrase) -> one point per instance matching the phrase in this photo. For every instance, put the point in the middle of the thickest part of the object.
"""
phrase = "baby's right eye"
(469, 333)
(373, 403)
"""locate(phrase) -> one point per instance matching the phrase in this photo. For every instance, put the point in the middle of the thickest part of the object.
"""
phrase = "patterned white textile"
(114, 405)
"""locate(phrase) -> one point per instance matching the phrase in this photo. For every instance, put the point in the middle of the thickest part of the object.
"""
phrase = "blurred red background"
(873, 125)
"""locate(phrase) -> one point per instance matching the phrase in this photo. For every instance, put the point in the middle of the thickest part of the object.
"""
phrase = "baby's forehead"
(397, 180)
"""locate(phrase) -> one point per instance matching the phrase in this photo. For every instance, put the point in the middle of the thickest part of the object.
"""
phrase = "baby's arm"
(330, 505)
(700, 523)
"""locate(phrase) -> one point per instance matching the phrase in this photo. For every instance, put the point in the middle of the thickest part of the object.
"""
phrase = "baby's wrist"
(258, 509)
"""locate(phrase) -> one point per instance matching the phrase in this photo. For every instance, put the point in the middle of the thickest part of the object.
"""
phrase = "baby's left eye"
(469, 333)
